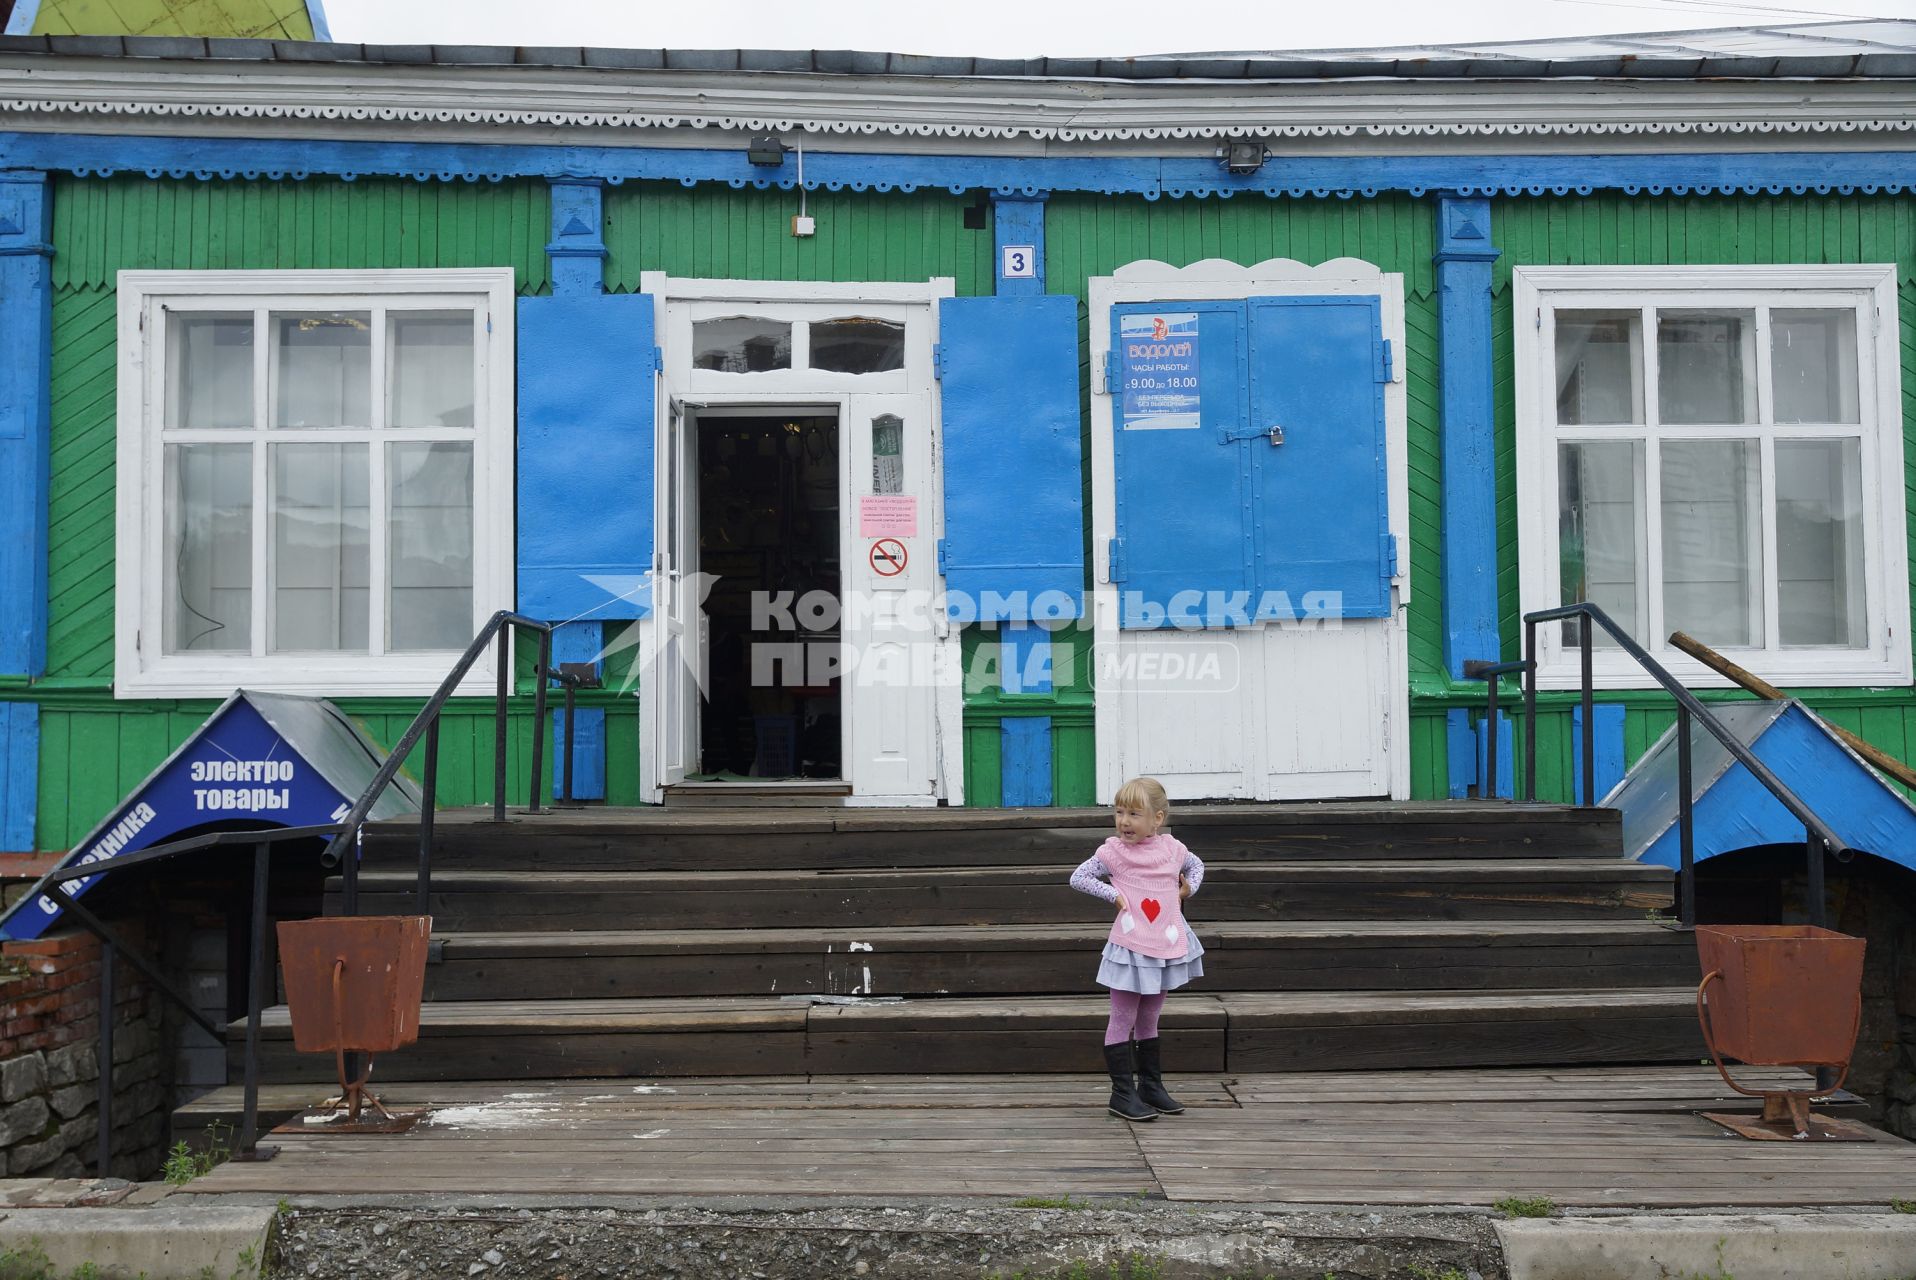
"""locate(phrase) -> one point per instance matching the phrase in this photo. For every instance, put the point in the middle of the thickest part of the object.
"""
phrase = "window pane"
(209, 370)
(888, 454)
(1819, 542)
(1599, 367)
(325, 364)
(209, 548)
(1600, 531)
(430, 569)
(321, 548)
(1813, 365)
(1712, 541)
(858, 344)
(1706, 366)
(741, 344)
(431, 364)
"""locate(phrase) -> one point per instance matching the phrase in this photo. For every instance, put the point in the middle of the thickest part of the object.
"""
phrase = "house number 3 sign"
(1020, 262)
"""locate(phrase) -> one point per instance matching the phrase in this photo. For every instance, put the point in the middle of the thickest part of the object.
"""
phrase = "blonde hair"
(1143, 793)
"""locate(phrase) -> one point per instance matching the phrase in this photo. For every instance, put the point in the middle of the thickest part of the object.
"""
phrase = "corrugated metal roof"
(1877, 48)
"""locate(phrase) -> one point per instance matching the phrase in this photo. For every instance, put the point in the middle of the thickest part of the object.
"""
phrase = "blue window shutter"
(1322, 509)
(1183, 513)
(586, 410)
(1014, 523)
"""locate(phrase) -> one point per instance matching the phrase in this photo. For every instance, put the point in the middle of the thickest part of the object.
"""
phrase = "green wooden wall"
(1614, 229)
(714, 233)
(93, 748)
(96, 748)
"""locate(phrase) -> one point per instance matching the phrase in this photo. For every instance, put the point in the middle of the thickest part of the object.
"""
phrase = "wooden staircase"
(857, 942)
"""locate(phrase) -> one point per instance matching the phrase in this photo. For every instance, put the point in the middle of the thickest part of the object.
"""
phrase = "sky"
(1025, 28)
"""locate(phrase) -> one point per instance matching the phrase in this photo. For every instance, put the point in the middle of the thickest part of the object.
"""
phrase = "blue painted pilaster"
(1464, 257)
(577, 255)
(1018, 244)
(1027, 761)
(1018, 222)
(26, 357)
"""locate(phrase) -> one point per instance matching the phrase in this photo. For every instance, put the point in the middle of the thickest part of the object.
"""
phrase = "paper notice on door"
(888, 516)
(1158, 371)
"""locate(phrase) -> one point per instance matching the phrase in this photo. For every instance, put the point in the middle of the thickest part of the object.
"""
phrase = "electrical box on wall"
(804, 225)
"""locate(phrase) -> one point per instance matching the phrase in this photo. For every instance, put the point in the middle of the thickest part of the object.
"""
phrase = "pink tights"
(1133, 1015)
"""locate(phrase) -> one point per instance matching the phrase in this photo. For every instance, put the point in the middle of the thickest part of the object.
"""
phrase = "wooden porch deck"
(1589, 1137)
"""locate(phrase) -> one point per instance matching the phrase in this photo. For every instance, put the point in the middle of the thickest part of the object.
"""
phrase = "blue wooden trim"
(1461, 756)
(579, 642)
(1787, 173)
(20, 22)
(1024, 658)
(1025, 766)
(316, 14)
(577, 252)
(1018, 221)
(26, 360)
(1609, 745)
(1507, 748)
(19, 775)
(1464, 256)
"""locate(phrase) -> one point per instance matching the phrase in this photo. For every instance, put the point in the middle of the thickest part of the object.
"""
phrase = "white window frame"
(141, 667)
(1538, 292)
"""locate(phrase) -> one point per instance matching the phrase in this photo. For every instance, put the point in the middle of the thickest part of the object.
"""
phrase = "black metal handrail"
(426, 723)
(1819, 838)
(53, 885)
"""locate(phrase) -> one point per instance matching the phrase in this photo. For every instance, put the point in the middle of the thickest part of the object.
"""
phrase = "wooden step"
(1426, 889)
(644, 1039)
(660, 839)
(792, 794)
(993, 960)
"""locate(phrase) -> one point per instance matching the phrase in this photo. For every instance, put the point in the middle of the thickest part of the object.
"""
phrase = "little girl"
(1146, 875)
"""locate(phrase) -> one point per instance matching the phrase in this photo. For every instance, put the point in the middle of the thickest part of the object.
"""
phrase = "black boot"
(1151, 1081)
(1124, 1093)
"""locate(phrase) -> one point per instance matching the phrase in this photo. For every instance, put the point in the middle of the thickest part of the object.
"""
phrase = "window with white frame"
(1715, 450)
(315, 477)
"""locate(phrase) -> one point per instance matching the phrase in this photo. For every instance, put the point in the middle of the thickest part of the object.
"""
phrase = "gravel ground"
(425, 1239)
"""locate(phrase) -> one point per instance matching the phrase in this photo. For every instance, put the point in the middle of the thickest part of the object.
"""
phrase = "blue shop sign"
(261, 760)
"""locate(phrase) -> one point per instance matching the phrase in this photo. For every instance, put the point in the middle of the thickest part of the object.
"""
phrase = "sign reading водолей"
(1158, 371)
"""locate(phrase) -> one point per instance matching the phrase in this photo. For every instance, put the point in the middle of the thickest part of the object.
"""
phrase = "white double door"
(889, 651)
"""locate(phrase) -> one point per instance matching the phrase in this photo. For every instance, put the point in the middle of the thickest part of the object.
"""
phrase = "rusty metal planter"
(354, 985)
(1780, 995)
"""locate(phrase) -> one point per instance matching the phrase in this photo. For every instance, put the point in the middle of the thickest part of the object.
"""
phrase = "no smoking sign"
(889, 557)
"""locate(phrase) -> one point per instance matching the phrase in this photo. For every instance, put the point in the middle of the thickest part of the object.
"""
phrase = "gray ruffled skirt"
(1123, 969)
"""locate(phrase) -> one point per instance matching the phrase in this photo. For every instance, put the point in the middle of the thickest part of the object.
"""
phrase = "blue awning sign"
(261, 760)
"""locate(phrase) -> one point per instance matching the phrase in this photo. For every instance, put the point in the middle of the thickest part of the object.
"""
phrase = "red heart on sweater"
(1150, 907)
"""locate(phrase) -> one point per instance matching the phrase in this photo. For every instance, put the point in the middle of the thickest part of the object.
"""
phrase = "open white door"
(672, 680)
(890, 572)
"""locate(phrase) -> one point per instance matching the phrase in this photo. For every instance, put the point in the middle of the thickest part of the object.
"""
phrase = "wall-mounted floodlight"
(766, 149)
(1241, 156)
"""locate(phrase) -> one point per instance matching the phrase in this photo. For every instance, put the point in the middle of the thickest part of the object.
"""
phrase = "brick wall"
(49, 1051)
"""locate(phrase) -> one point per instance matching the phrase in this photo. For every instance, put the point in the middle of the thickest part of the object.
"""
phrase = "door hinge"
(943, 558)
(1390, 554)
(658, 360)
(1108, 375)
(938, 361)
(488, 322)
(1384, 362)
(1117, 572)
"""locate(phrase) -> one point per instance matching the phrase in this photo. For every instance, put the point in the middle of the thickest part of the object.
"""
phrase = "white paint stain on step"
(656, 1133)
(494, 1115)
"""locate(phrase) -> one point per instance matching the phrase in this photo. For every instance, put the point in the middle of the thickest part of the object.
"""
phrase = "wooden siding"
(711, 232)
(1613, 229)
(1088, 236)
(102, 226)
